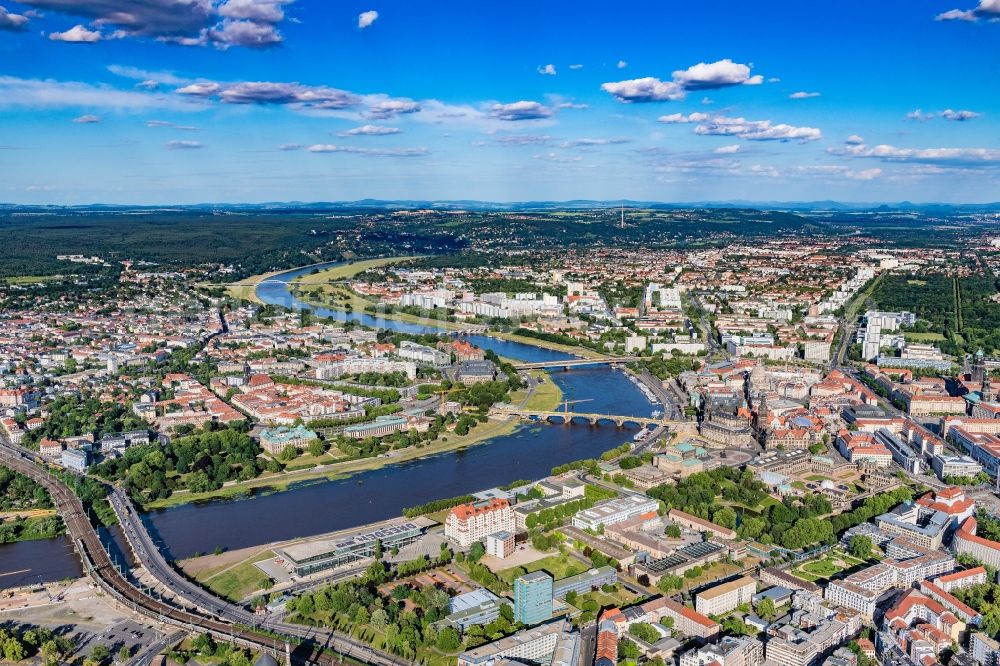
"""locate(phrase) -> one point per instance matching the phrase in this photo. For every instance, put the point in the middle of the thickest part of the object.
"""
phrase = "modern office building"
(584, 582)
(311, 556)
(725, 597)
(553, 644)
(533, 598)
(614, 511)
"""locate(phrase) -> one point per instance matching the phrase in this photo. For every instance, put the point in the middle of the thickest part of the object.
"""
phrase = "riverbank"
(349, 270)
(280, 481)
(544, 397)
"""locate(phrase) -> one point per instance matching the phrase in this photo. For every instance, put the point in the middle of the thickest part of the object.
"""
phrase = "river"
(311, 508)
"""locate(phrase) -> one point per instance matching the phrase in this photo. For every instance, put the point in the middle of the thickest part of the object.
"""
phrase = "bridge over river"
(592, 418)
(576, 362)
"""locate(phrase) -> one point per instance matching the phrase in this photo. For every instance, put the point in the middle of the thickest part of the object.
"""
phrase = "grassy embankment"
(236, 581)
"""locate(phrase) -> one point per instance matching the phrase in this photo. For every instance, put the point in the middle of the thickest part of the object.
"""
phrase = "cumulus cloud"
(646, 89)
(727, 150)
(959, 116)
(756, 130)
(803, 95)
(251, 23)
(622, 64)
(12, 22)
(719, 74)
(76, 35)
(703, 76)
(854, 140)
(947, 114)
(675, 118)
(751, 130)
(987, 10)
(371, 130)
(365, 19)
(549, 69)
(87, 119)
(983, 157)
(389, 108)
(269, 92)
(572, 105)
(180, 144)
(523, 110)
(376, 152)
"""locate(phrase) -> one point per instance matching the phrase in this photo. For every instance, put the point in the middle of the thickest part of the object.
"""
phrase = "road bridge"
(593, 418)
(576, 362)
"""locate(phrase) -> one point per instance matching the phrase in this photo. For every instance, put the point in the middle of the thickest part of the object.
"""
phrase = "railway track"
(99, 567)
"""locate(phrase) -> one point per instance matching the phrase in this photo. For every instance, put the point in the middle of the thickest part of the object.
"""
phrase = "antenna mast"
(623, 215)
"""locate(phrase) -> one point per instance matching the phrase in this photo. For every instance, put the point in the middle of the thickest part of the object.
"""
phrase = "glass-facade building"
(533, 598)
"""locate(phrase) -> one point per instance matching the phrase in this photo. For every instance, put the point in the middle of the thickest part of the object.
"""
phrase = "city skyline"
(267, 100)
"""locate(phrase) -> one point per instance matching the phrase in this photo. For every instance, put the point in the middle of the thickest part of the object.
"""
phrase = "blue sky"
(186, 101)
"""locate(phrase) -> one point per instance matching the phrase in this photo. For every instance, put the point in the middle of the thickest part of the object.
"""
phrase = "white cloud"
(39, 93)
(767, 170)
(854, 140)
(183, 145)
(223, 23)
(956, 15)
(703, 76)
(674, 118)
(622, 64)
(269, 11)
(549, 69)
(524, 140)
(376, 152)
(169, 124)
(12, 22)
(148, 78)
(371, 130)
(647, 89)
(523, 110)
(199, 89)
(572, 105)
(774, 79)
(959, 116)
(590, 143)
(866, 174)
(576, 65)
(365, 19)
(717, 74)
(751, 130)
(392, 107)
(803, 95)
(983, 157)
(87, 119)
(291, 146)
(756, 130)
(919, 115)
(987, 9)
(727, 150)
(77, 34)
